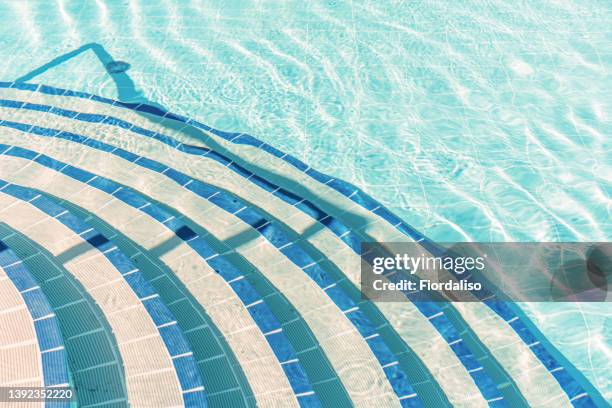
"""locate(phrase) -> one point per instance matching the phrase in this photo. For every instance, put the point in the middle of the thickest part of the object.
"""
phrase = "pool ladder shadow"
(128, 93)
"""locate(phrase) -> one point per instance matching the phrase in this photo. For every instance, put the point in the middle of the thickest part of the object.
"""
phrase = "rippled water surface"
(472, 120)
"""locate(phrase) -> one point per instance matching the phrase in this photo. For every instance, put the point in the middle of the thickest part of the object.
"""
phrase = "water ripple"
(473, 121)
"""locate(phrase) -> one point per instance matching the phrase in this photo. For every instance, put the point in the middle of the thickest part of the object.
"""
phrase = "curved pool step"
(159, 367)
(245, 325)
(480, 377)
(388, 363)
(93, 355)
(52, 353)
(465, 354)
(403, 393)
(572, 381)
(288, 322)
(20, 351)
(337, 188)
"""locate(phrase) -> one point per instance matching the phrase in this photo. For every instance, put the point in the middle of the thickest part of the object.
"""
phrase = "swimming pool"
(451, 116)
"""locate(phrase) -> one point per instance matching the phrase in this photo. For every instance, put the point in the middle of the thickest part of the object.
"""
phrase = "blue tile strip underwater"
(79, 318)
(50, 340)
(269, 229)
(274, 234)
(178, 348)
(258, 309)
(572, 379)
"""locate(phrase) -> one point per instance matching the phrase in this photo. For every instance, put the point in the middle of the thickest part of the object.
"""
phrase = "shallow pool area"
(472, 122)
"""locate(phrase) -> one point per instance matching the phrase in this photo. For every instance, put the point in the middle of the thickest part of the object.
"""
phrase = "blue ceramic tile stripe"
(435, 314)
(50, 340)
(506, 310)
(348, 190)
(259, 310)
(577, 394)
(178, 348)
(271, 231)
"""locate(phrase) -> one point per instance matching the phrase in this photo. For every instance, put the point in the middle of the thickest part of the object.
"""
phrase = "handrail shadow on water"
(126, 88)
(127, 92)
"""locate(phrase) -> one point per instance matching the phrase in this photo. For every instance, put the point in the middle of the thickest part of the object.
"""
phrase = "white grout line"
(52, 350)
(254, 303)
(131, 272)
(390, 364)
(352, 309)
(196, 389)
(149, 297)
(50, 315)
(495, 399)
(13, 264)
(30, 289)
(273, 332)
(182, 355)
(435, 315)
(584, 394)
(172, 323)
(236, 279)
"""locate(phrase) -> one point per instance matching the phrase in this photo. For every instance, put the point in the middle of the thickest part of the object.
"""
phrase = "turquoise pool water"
(481, 121)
